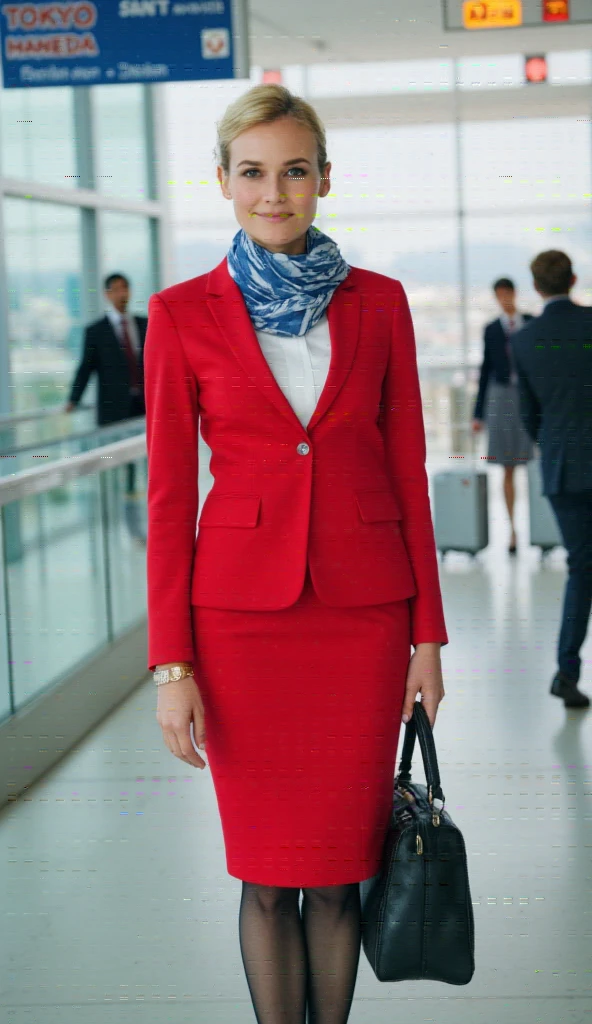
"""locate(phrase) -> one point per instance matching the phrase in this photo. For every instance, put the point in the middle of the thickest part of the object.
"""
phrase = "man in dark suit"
(114, 350)
(554, 361)
(508, 446)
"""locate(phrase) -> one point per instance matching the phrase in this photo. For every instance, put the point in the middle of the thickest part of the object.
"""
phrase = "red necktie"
(132, 362)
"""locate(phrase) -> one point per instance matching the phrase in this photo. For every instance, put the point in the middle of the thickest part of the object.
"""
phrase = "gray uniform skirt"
(508, 442)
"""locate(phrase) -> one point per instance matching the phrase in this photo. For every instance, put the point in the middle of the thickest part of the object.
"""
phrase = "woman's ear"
(223, 179)
(325, 182)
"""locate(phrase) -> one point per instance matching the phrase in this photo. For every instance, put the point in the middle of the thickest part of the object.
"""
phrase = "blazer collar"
(228, 308)
(558, 306)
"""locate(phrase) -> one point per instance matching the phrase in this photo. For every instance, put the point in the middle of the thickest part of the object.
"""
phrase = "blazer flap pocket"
(240, 510)
(377, 506)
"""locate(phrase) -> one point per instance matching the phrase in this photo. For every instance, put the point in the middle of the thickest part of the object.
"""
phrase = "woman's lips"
(274, 217)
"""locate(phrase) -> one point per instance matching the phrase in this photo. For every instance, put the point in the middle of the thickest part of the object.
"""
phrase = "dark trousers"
(574, 517)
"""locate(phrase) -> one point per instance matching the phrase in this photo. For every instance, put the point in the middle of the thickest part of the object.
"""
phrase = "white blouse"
(300, 366)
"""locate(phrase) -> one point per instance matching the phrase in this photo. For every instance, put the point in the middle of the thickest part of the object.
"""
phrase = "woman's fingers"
(179, 743)
(180, 713)
(410, 696)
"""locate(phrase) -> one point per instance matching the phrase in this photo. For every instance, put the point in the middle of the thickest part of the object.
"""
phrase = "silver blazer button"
(303, 448)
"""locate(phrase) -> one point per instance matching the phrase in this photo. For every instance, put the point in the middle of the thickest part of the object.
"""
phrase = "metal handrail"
(97, 432)
(45, 478)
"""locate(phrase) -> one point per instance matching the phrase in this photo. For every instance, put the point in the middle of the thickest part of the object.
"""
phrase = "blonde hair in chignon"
(261, 105)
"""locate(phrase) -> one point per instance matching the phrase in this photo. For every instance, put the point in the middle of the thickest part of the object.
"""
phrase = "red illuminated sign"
(273, 76)
(535, 69)
(555, 10)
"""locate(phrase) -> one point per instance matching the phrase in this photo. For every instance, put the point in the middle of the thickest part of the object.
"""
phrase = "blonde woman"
(282, 635)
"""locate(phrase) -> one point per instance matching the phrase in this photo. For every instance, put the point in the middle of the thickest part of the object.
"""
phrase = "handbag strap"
(419, 725)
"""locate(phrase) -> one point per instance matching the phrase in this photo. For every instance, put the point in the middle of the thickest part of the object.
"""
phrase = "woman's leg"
(273, 952)
(510, 496)
(332, 926)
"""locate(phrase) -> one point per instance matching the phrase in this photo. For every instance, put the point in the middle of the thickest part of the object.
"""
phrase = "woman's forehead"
(284, 139)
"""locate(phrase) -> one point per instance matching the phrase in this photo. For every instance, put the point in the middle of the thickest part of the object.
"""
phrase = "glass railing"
(73, 573)
(26, 456)
(44, 425)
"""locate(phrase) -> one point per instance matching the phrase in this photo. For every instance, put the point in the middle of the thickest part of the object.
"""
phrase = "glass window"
(570, 67)
(422, 253)
(491, 72)
(120, 145)
(127, 248)
(390, 170)
(379, 78)
(44, 268)
(504, 246)
(38, 135)
(527, 162)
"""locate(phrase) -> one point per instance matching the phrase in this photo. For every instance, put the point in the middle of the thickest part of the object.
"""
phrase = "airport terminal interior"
(453, 164)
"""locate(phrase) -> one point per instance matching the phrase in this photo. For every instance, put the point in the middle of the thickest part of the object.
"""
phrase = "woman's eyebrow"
(287, 163)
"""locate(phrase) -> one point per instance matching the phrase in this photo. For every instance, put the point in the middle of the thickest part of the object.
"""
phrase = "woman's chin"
(277, 235)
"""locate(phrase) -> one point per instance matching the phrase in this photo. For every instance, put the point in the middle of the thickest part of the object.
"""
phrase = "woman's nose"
(273, 190)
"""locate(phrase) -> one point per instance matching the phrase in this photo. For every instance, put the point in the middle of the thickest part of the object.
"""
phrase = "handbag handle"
(419, 725)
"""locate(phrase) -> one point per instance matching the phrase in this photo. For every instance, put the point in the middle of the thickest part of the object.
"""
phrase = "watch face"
(176, 672)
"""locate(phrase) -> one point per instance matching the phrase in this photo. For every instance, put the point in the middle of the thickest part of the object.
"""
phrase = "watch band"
(171, 674)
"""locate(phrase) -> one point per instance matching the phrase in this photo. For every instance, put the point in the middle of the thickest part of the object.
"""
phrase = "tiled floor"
(115, 898)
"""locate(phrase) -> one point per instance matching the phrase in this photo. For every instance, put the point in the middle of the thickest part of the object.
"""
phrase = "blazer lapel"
(228, 308)
(343, 315)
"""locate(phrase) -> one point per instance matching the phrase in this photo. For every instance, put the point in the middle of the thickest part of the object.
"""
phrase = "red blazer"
(348, 495)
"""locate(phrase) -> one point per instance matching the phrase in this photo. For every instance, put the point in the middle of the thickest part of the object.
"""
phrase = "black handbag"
(417, 915)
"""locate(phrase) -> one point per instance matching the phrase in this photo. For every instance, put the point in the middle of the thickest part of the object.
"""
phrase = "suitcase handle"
(419, 725)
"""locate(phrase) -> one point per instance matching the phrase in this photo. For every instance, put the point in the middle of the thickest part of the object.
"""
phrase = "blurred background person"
(553, 356)
(497, 400)
(114, 349)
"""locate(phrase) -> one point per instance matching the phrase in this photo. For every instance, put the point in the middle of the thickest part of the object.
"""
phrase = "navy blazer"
(103, 354)
(496, 364)
(553, 355)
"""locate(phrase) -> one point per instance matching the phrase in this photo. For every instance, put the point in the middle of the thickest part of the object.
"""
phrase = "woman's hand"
(179, 704)
(424, 676)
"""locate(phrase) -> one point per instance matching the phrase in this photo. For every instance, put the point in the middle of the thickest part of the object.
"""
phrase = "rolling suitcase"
(460, 510)
(543, 529)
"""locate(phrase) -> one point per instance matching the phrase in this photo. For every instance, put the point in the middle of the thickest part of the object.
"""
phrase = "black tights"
(297, 961)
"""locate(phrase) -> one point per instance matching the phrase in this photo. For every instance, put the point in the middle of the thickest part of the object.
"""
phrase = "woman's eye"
(299, 172)
(250, 171)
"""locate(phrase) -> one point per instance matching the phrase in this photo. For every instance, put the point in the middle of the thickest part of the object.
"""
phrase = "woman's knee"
(332, 896)
(271, 898)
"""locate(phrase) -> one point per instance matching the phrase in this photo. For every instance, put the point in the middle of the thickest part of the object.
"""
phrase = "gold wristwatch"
(171, 674)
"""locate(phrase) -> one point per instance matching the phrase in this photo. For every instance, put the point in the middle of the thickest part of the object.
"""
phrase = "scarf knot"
(286, 295)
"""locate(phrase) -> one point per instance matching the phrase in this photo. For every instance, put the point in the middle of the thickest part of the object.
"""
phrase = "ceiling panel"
(307, 32)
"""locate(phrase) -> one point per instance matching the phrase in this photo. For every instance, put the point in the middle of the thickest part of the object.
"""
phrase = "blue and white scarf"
(286, 295)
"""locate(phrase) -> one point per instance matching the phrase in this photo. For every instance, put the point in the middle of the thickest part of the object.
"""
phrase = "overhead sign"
(113, 41)
(469, 15)
(491, 13)
(555, 10)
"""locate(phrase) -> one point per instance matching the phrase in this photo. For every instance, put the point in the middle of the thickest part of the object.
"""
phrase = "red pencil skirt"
(303, 713)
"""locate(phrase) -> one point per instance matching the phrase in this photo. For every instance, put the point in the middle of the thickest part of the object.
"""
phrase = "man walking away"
(553, 355)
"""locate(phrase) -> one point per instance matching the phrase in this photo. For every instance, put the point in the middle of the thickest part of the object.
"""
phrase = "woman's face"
(274, 182)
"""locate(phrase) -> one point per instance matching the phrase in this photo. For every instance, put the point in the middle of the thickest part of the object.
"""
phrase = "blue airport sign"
(107, 42)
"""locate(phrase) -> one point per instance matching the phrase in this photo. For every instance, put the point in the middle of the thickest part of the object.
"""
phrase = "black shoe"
(512, 549)
(567, 689)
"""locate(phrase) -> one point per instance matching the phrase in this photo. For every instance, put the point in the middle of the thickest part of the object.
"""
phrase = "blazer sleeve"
(172, 425)
(483, 379)
(530, 409)
(404, 439)
(88, 365)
